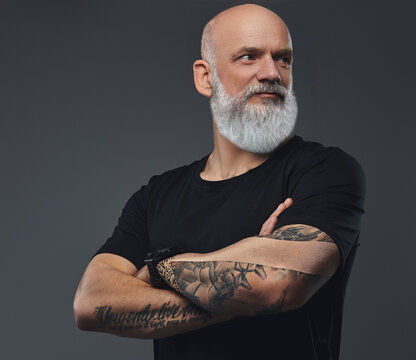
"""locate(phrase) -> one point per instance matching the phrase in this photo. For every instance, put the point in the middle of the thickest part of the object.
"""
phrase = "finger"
(263, 228)
(288, 202)
(274, 215)
(282, 207)
(270, 226)
(142, 274)
(278, 210)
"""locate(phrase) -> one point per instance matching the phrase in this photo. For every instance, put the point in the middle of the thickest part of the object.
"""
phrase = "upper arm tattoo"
(298, 232)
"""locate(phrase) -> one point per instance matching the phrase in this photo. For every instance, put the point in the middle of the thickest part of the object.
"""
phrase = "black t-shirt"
(327, 186)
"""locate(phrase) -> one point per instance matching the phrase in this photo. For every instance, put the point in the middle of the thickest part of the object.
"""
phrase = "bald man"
(204, 260)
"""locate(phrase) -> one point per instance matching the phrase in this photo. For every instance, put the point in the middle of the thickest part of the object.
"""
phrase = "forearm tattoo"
(212, 284)
(155, 318)
(214, 281)
(164, 268)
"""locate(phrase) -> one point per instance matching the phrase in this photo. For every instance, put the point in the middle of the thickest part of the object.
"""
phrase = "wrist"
(152, 260)
(164, 268)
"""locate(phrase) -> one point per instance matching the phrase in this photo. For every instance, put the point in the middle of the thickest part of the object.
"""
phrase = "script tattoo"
(166, 315)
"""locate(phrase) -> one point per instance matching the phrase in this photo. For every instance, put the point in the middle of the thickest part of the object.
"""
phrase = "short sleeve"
(130, 236)
(328, 191)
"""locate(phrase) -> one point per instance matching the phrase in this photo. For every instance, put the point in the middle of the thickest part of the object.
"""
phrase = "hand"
(270, 223)
(143, 275)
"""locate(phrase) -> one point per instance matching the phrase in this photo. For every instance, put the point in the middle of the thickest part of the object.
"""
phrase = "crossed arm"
(252, 276)
(257, 275)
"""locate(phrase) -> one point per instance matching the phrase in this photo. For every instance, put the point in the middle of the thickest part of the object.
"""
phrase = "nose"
(268, 70)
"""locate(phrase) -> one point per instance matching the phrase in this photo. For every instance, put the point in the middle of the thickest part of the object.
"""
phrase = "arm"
(257, 275)
(111, 299)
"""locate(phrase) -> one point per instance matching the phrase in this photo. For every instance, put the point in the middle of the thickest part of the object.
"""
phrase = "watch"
(151, 260)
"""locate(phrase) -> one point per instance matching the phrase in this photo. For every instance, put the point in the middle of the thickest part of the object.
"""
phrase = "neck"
(227, 160)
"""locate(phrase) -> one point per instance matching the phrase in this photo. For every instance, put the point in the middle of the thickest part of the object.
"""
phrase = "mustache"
(270, 87)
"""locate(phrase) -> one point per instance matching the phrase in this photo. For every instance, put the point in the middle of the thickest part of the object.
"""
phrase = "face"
(252, 52)
(252, 101)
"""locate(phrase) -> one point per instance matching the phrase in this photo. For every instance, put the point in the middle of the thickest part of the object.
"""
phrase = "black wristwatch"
(151, 260)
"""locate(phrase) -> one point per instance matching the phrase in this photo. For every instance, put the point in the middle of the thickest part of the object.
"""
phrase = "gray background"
(97, 96)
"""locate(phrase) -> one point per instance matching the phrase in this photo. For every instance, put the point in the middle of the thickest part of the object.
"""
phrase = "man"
(201, 260)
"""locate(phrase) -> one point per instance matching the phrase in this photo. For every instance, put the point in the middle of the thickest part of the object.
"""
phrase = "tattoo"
(226, 285)
(166, 315)
(215, 280)
(215, 284)
(298, 233)
(165, 271)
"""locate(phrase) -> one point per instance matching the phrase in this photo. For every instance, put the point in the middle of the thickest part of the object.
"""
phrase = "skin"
(239, 26)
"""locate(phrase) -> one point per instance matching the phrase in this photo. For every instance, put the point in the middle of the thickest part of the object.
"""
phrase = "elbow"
(83, 306)
(81, 322)
(280, 304)
(81, 318)
(85, 297)
(280, 298)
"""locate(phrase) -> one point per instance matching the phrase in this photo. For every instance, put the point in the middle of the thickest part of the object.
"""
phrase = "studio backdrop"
(97, 96)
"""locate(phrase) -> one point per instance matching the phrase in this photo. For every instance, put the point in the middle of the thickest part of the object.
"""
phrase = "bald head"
(237, 23)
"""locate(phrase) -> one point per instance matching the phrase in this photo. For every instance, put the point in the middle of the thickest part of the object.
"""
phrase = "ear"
(202, 77)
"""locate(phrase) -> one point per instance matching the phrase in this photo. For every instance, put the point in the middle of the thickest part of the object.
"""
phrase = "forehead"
(267, 33)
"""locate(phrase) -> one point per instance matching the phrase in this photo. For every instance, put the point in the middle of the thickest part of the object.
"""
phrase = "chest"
(203, 220)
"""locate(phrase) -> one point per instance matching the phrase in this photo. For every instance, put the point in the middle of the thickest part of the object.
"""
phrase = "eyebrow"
(256, 50)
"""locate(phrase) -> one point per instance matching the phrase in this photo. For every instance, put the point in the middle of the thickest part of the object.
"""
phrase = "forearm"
(257, 274)
(239, 289)
(108, 300)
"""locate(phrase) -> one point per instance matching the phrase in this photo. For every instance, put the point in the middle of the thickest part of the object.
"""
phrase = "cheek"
(287, 79)
(236, 82)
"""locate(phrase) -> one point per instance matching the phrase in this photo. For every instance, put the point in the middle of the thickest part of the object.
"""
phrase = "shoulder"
(310, 155)
(313, 164)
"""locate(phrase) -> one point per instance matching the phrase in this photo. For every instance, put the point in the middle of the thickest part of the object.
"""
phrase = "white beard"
(256, 128)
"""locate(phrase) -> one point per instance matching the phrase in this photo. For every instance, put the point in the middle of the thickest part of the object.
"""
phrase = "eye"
(286, 60)
(242, 57)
